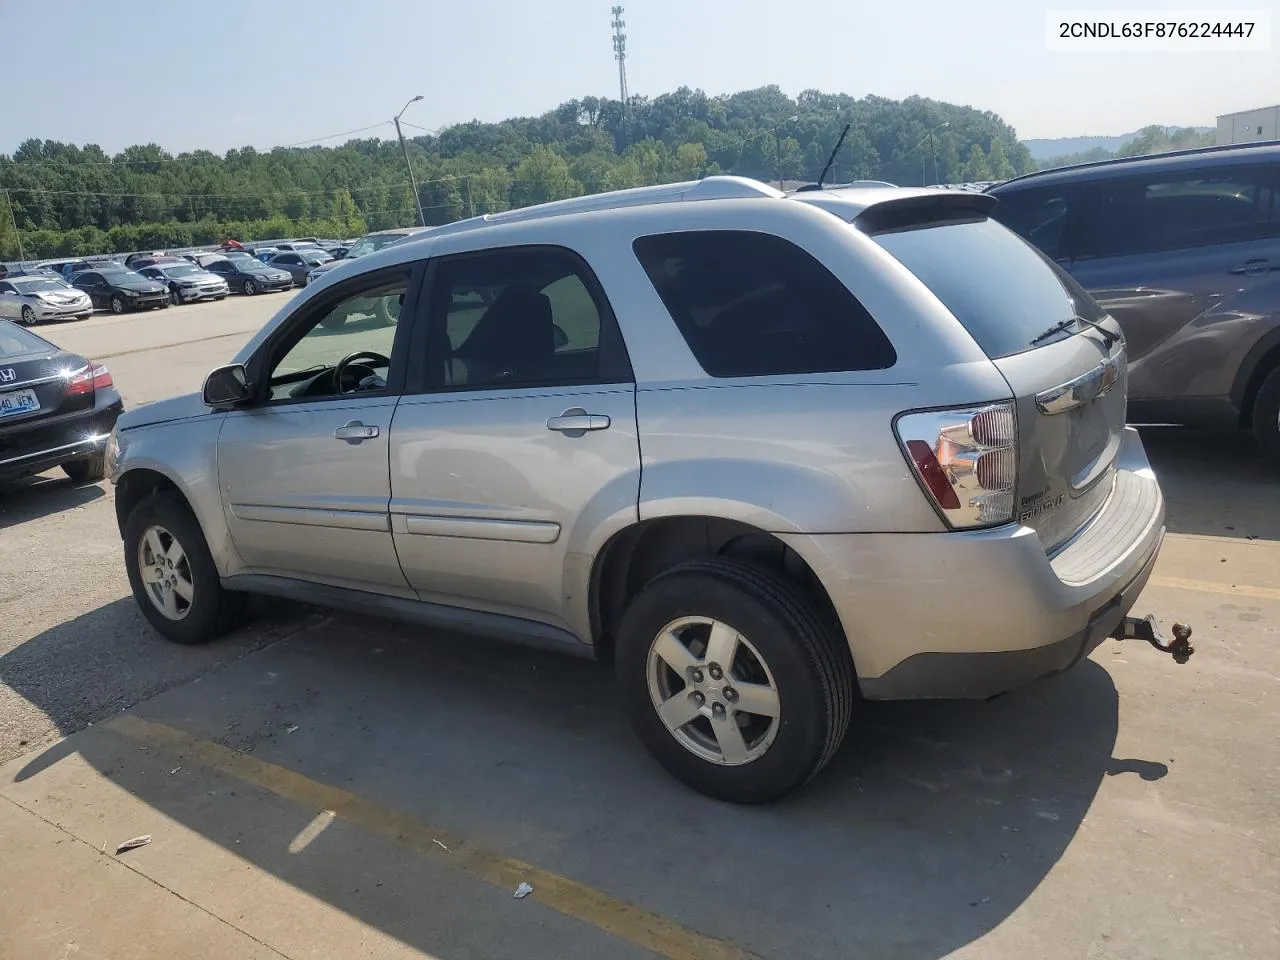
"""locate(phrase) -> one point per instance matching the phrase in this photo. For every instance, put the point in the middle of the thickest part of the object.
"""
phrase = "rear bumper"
(976, 614)
(71, 438)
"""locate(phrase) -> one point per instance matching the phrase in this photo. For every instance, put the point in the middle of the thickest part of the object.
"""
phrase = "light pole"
(777, 149)
(17, 234)
(932, 152)
(422, 221)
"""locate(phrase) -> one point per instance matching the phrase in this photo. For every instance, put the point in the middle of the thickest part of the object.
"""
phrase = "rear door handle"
(355, 432)
(575, 421)
(1254, 268)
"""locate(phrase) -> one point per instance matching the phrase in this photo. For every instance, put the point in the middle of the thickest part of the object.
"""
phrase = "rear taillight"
(966, 459)
(88, 379)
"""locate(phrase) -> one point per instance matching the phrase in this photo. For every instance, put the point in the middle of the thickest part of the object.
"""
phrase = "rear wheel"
(250, 288)
(172, 573)
(89, 470)
(1266, 416)
(732, 680)
(29, 317)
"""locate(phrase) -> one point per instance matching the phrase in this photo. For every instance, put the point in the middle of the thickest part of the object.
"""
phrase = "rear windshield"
(15, 342)
(1000, 287)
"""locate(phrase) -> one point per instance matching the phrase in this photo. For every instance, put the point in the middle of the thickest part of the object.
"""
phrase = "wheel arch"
(638, 553)
(1262, 358)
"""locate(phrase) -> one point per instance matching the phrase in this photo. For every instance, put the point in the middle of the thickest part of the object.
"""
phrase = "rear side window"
(1003, 290)
(751, 304)
(1038, 215)
(1187, 210)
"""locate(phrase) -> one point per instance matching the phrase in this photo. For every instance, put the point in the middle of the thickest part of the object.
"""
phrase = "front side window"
(344, 347)
(519, 317)
(752, 304)
(1182, 211)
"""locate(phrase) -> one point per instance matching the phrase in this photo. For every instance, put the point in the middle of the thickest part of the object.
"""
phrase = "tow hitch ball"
(1144, 628)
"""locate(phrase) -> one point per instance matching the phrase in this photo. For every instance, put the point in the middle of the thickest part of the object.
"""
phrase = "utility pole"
(422, 220)
(466, 188)
(777, 149)
(17, 234)
(620, 54)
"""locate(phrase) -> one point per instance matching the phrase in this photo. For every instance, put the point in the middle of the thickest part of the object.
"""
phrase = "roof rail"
(709, 188)
(1147, 157)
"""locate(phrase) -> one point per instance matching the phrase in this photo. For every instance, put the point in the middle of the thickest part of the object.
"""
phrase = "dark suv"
(1183, 249)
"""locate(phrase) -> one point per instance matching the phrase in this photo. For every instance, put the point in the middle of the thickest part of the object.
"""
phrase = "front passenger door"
(303, 468)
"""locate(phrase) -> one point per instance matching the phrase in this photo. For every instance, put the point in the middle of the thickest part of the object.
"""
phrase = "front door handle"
(355, 432)
(1254, 268)
(575, 421)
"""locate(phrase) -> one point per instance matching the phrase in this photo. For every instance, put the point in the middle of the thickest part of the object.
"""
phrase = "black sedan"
(56, 408)
(249, 276)
(121, 289)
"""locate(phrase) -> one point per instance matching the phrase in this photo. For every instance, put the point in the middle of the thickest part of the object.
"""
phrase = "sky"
(216, 76)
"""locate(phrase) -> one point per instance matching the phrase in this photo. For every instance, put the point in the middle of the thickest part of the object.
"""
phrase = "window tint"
(998, 286)
(6, 288)
(1038, 215)
(362, 321)
(1216, 205)
(751, 304)
(521, 317)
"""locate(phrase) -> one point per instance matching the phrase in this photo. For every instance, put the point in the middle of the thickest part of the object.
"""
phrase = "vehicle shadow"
(930, 828)
(31, 498)
(1215, 482)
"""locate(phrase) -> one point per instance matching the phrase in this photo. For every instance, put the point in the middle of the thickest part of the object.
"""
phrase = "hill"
(1152, 139)
(72, 200)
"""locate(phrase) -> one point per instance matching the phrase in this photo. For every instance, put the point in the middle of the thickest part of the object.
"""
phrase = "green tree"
(998, 162)
(977, 168)
(542, 176)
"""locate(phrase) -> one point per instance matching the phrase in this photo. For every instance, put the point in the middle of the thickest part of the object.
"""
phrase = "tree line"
(1152, 139)
(68, 200)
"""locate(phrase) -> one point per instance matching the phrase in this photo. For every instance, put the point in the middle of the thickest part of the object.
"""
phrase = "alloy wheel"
(166, 573)
(713, 691)
(117, 305)
(28, 316)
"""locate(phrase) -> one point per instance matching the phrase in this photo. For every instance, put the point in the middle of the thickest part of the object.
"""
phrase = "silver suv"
(764, 452)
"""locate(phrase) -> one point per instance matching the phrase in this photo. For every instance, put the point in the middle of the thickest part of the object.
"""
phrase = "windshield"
(314, 259)
(38, 285)
(997, 285)
(182, 270)
(14, 341)
(124, 276)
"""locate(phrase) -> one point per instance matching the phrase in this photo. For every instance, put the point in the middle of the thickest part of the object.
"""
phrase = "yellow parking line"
(626, 921)
(1227, 589)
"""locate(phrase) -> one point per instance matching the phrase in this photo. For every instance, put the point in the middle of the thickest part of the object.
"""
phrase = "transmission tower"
(620, 53)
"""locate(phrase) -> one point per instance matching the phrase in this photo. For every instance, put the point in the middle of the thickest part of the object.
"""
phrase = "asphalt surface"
(322, 786)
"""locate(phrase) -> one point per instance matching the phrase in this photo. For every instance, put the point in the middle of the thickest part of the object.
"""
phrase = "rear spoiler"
(922, 210)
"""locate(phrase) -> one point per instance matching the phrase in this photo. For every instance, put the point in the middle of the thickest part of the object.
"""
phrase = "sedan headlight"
(132, 293)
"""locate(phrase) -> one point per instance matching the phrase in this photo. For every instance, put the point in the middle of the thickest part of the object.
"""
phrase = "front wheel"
(1266, 416)
(29, 317)
(174, 297)
(172, 573)
(117, 304)
(732, 679)
(250, 288)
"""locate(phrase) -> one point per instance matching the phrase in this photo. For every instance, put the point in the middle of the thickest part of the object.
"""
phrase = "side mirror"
(226, 387)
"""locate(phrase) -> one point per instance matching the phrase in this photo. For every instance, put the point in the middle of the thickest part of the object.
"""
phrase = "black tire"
(213, 611)
(117, 304)
(1266, 416)
(89, 470)
(810, 663)
(28, 317)
(249, 288)
(175, 298)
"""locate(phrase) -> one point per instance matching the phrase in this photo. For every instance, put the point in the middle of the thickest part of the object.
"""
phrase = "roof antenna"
(830, 160)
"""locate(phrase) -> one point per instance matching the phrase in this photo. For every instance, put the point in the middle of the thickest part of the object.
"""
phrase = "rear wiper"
(1061, 325)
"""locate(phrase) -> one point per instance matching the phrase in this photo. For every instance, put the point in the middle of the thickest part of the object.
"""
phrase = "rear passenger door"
(1182, 261)
(517, 435)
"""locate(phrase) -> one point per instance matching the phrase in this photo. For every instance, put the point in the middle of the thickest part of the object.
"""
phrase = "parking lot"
(322, 786)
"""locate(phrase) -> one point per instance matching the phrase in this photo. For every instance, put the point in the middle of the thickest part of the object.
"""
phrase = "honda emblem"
(8, 375)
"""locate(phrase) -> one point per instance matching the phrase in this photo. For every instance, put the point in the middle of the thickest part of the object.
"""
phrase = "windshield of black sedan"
(123, 276)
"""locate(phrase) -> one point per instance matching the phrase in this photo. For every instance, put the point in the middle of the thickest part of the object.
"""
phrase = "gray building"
(1249, 126)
